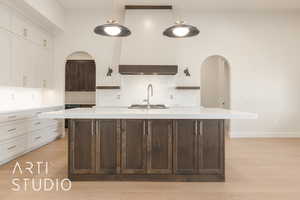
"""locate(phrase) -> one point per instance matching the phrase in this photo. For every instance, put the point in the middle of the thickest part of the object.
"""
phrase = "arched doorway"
(80, 81)
(79, 55)
(215, 84)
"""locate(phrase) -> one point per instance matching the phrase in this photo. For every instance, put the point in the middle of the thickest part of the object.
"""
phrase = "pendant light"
(112, 29)
(181, 30)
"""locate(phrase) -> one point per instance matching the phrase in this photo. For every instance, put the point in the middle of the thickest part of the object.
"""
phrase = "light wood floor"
(256, 169)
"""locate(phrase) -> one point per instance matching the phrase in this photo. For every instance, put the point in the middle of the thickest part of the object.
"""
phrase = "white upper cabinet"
(26, 58)
(19, 61)
(5, 17)
(26, 52)
(45, 67)
(20, 26)
(5, 52)
(30, 70)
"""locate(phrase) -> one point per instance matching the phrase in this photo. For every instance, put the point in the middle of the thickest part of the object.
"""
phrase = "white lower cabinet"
(12, 130)
(12, 147)
(25, 131)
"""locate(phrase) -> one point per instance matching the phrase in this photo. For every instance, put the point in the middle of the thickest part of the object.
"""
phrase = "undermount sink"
(144, 106)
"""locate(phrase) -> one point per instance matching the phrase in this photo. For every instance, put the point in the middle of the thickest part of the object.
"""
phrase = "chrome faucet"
(149, 88)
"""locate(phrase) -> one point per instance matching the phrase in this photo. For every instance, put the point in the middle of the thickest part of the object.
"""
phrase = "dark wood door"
(82, 146)
(185, 148)
(159, 147)
(80, 75)
(108, 144)
(211, 147)
(134, 146)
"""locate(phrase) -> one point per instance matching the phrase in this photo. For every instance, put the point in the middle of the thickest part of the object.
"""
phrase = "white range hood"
(147, 45)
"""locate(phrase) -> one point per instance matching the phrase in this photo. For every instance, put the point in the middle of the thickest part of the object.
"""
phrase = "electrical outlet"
(12, 97)
(171, 96)
(118, 97)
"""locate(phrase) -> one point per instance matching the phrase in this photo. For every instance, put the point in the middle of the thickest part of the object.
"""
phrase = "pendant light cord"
(176, 42)
(176, 12)
(113, 17)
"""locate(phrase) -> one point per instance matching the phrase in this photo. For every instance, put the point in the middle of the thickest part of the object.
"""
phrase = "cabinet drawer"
(36, 138)
(38, 124)
(41, 136)
(14, 116)
(11, 130)
(12, 147)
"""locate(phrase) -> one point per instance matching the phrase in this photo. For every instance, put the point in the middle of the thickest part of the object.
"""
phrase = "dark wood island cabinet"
(146, 150)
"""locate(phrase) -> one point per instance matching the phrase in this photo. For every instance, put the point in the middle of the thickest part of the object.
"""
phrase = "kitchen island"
(120, 144)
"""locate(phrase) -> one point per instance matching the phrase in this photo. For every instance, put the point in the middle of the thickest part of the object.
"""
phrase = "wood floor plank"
(256, 169)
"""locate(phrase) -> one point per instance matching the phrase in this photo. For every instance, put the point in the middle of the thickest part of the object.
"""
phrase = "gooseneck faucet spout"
(149, 92)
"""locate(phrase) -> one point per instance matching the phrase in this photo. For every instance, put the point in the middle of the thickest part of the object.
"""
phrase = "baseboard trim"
(264, 134)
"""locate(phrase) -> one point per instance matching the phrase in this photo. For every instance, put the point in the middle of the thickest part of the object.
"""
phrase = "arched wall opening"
(215, 84)
(80, 55)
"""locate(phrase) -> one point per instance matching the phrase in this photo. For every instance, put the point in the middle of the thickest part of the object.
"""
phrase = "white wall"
(79, 36)
(146, 45)
(262, 50)
(50, 9)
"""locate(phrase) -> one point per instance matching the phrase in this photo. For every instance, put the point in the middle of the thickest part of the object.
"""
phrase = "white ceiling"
(201, 5)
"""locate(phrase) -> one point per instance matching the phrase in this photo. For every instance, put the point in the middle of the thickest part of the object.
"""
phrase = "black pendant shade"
(112, 29)
(181, 30)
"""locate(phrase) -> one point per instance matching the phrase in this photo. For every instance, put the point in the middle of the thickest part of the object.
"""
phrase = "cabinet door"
(134, 147)
(159, 147)
(45, 67)
(108, 144)
(185, 153)
(19, 61)
(5, 17)
(5, 52)
(20, 26)
(211, 147)
(80, 75)
(82, 146)
(31, 71)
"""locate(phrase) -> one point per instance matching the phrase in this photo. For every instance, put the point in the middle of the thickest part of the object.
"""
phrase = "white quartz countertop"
(170, 113)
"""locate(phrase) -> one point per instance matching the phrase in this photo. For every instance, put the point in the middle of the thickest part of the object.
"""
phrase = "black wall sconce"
(187, 72)
(109, 72)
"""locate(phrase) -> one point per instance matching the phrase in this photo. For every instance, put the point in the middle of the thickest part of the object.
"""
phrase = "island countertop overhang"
(171, 113)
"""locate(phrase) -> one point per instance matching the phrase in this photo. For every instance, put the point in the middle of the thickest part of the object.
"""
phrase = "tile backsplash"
(80, 98)
(134, 91)
(14, 98)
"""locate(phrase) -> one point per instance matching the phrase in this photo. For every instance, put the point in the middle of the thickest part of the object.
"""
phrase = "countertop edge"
(148, 116)
(29, 109)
